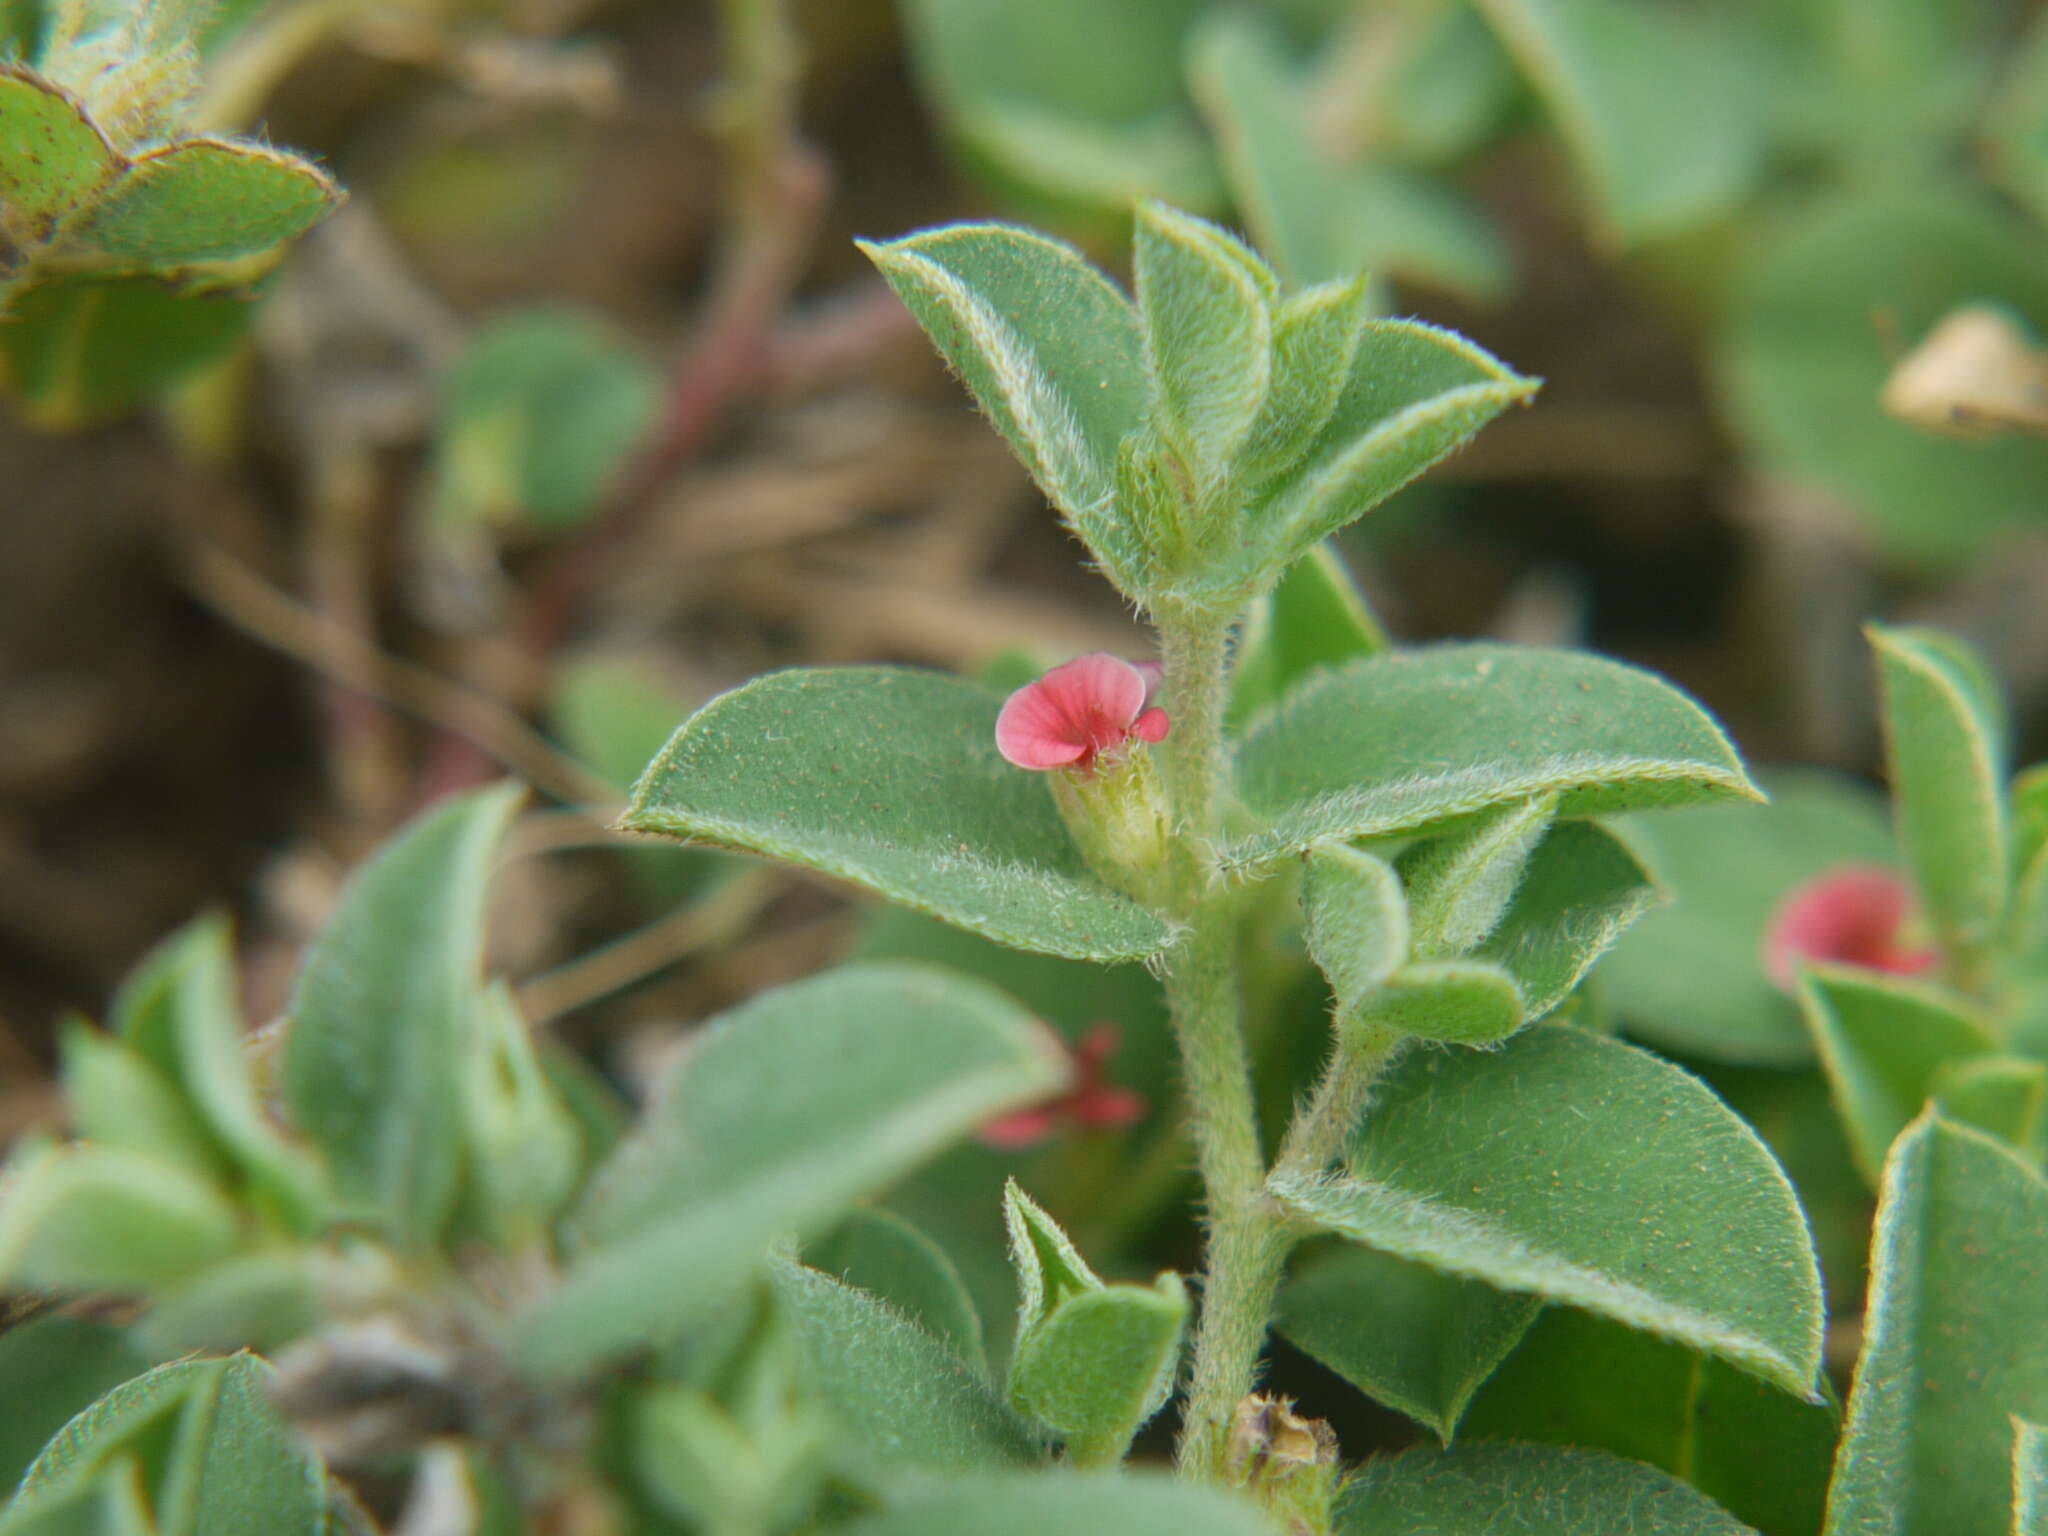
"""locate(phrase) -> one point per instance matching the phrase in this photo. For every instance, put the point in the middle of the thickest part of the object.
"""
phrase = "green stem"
(1321, 1126)
(1245, 1238)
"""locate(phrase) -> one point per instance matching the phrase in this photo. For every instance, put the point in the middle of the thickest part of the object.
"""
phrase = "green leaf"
(1945, 741)
(219, 1458)
(1316, 334)
(1315, 618)
(120, 1100)
(879, 1252)
(1658, 108)
(55, 158)
(1881, 1041)
(2015, 135)
(1404, 1334)
(1459, 884)
(1581, 890)
(1318, 220)
(1502, 1167)
(1454, 1002)
(80, 350)
(2029, 1479)
(1066, 100)
(786, 1113)
(1579, 1380)
(1206, 306)
(524, 1147)
(384, 1017)
(180, 1010)
(197, 202)
(1356, 922)
(1525, 1490)
(52, 1367)
(539, 417)
(1955, 1342)
(1415, 393)
(1019, 1504)
(2029, 796)
(907, 1399)
(1803, 364)
(1092, 1362)
(110, 1505)
(890, 778)
(258, 1300)
(1405, 742)
(2005, 1096)
(1051, 350)
(104, 1218)
(1690, 977)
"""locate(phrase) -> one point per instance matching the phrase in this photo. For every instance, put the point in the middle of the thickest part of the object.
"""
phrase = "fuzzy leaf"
(255, 1300)
(877, 1251)
(1051, 350)
(1315, 618)
(1017, 1504)
(1501, 1166)
(1404, 742)
(1946, 744)
(1415, 393)
(55, 158)
(199, 201)
(1459, 885)
(384, 1017)
(1657, 108)
(1955, 1342)
(908, 1400)
(1580, 1380)
(2006, 1096)
(1580, 891)
(1206, 305)
(1882, 1040)
(1453, 1002)
(1100, 1364)
(1049, 1269)
(111, 1504)
(784, 1114)
(1357, 922)
(52, 1367)
(1417, 1339)
(890, 778)
(120, 1100)
(1494, 1489)
(1689, 977)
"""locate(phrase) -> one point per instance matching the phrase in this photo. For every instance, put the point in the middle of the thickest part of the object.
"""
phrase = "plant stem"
(1245, 1239)
(1319, 1128)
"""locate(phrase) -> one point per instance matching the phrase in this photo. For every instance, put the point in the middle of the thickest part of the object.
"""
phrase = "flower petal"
(1851, 916)
(1071, 713)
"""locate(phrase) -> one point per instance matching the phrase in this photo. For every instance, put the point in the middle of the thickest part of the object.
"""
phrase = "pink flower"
(1071, 716)
(1092, 1104)
(1850, 916)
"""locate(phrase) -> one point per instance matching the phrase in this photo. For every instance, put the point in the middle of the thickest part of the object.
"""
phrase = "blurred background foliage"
(583, 407)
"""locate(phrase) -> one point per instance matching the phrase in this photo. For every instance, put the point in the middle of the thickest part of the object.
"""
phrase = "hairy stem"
(1245, 1240)
(1321, 1125)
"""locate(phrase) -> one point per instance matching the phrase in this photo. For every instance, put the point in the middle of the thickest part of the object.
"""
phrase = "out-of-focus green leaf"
(1580, 1380)
(102, 1218)
(1657, 106)
(2016, 131)
(538, 418)
(1819, 317)
(1016, 1504)
(1406, 1335)
(52, 1367)
(1689, 977)
(879, 1252)
(384, 1017)
(785, 1114)
(1955, 1342)
(1315, 618)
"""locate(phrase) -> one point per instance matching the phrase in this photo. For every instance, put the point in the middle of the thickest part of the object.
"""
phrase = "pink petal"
(1151, 725)
(1154, 673)
(1026, 1128)
(1108, 1109)
(1071, 713)
(1850, 916)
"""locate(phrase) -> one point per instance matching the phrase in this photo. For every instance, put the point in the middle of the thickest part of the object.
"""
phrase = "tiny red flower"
(1093, 705)
(1850, 916)
(1092, 1104)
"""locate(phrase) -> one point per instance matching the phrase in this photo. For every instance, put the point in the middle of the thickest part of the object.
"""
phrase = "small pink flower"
(1850, 916)
(1092, 1104)
(1071, 716)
